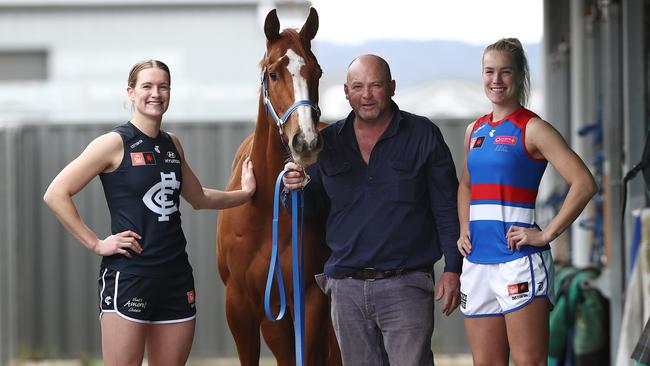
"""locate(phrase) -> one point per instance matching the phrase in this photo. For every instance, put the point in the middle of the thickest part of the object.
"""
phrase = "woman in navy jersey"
(146, 288)
(507, 279)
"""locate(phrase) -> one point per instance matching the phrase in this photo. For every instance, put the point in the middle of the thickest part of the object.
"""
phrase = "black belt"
(376, 274)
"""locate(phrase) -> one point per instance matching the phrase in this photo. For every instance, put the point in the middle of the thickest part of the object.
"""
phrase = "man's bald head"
(368, 59)
(369, 88)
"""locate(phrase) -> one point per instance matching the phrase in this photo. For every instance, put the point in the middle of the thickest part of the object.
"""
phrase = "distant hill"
(413, 62)
(438, 79)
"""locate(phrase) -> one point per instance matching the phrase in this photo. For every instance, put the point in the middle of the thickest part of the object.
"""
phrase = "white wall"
(212, 48)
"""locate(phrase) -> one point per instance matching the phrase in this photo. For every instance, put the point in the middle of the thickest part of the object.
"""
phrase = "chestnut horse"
(290, 76)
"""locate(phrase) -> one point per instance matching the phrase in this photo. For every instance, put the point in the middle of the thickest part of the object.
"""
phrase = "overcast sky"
(472, 21)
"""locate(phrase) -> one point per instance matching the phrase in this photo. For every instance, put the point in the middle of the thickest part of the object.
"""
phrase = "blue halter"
(280, 121)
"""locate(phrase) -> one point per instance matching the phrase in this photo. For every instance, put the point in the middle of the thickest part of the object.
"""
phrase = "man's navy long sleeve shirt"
(396, 212)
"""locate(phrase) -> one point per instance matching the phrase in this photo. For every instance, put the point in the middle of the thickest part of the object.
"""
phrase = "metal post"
(556, 60)
(613, 141)
(8, 242)
(634, 105)
(580, 237)
(634, 76)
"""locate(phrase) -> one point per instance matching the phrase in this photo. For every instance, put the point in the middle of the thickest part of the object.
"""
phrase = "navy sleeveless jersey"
(504, 179)
(143, 196)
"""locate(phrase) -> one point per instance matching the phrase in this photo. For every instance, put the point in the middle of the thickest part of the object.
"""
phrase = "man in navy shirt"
(388, 183)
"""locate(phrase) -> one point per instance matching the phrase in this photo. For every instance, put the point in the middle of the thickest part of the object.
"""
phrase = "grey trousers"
(383, 322)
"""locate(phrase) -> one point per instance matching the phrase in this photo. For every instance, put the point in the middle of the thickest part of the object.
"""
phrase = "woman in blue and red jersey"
(506, 284)
(146, 287)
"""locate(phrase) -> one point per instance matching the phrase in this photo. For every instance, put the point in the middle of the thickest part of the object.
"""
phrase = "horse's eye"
(273, 75)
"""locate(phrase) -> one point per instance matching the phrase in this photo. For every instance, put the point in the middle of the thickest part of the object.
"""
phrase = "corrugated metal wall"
(7, 252)
(48, 281)
(48, 288)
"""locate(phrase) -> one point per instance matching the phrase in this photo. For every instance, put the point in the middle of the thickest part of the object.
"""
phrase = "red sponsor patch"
(137, 159)
(142, 158)
(505, 140)
(518, 288)
(477, 141)
(190, 297)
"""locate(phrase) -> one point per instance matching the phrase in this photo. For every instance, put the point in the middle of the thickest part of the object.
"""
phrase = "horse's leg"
(278, 335)
(244, 326)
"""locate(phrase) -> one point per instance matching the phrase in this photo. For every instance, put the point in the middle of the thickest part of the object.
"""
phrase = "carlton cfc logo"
(159, 197)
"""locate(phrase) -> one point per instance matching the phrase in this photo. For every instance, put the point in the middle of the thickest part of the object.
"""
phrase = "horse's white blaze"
(300, 92)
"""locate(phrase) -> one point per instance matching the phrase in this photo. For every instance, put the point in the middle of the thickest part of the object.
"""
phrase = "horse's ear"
(309, 29)
(272, 26)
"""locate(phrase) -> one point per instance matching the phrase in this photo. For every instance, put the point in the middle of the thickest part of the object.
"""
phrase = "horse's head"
(290, 75)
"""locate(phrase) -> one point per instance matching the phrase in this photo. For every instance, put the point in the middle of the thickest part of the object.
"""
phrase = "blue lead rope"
(297, 269)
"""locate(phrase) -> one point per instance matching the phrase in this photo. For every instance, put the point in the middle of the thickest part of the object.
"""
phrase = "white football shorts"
(500, 288)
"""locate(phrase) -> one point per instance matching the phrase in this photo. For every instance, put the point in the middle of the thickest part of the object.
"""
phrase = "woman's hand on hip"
(518, 236)
(118, 244)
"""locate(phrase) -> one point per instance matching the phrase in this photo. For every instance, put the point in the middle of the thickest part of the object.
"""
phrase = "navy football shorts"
(146, 299)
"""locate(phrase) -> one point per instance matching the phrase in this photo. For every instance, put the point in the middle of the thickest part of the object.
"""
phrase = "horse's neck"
(267, 154)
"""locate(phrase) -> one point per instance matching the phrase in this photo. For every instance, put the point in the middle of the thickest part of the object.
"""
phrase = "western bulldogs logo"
(158, 198)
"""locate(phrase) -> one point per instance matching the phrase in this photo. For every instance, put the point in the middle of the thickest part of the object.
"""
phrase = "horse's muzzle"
(300, 145)
(306, 153)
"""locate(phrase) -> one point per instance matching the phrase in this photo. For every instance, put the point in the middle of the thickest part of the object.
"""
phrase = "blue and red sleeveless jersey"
(504, 179)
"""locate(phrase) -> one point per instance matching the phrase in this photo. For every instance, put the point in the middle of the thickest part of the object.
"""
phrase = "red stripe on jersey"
(503, 192)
